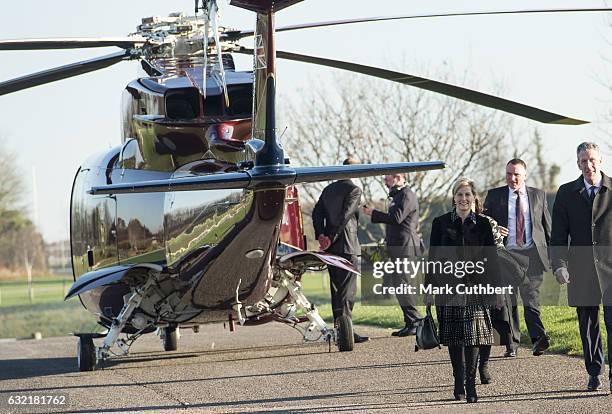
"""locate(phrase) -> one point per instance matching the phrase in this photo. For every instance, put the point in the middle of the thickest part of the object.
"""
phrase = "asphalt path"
(267, 369)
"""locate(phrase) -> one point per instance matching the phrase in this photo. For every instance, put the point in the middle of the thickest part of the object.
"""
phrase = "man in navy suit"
(524, 221)
(582, 215)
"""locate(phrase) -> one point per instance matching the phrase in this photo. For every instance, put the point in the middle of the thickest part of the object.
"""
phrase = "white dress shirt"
(596, 185)
(511, 241)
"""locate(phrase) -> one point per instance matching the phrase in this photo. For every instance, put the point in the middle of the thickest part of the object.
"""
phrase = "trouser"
(484, 354)
(343, 286)
(590, 334)
(530, 295)
(407, 302)
(464, 360)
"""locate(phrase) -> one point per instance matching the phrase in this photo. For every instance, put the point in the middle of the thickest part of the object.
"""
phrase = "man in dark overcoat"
(581, 239)
(335, 218)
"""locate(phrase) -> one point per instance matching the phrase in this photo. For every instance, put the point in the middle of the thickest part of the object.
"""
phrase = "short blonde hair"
(468, 182)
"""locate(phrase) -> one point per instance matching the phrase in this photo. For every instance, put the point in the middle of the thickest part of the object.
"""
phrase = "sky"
(553, 61)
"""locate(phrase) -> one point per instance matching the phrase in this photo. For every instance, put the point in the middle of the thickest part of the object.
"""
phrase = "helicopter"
(195, 218)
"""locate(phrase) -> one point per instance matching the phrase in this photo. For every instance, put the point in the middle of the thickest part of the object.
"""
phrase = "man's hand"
(324, 242)
(367, 210)
(562, 275)
(503, 231)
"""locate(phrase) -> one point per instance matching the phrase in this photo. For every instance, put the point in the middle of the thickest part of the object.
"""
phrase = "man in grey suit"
(403, 241)
(524, 221)
(335, 218)
(582, 215)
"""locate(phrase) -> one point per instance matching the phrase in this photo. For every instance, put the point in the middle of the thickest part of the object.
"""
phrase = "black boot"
(471, 365)
(456, 355)
(470, 388)
(483, 364)
(459, 389)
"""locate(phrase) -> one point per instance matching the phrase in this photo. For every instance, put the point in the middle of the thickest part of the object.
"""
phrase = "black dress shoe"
(510, 353)
(359, 339)
(541, 345)
(405, 331)
(594, 383)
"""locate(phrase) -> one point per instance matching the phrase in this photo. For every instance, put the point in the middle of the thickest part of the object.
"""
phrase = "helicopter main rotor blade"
(71, 43)
(458, 92)
(62, 72)
(234, 35)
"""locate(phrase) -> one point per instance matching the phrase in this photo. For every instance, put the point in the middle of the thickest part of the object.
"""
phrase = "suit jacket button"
(593, 225)
(594, 243)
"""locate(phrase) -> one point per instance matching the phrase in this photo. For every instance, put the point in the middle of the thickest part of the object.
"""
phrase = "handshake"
(562, 275)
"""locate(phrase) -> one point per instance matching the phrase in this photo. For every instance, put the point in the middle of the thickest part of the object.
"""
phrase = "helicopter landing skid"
(317, 330)
(88, 355)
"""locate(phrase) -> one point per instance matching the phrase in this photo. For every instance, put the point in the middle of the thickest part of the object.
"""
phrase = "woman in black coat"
(459, 237)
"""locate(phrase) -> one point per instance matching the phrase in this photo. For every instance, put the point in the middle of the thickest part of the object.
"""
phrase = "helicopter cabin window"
(240, 100)
(213, 105)
(131, 158)
(183, 103)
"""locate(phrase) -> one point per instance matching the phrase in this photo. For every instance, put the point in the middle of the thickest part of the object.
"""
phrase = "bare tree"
(20, 243)
(11, 183)
(544, 175)
(379, 121)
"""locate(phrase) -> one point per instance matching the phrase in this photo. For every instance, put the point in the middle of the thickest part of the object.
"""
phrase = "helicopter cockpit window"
(131, 157)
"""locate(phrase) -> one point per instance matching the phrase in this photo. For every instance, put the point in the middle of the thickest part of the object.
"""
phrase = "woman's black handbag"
(426, 332)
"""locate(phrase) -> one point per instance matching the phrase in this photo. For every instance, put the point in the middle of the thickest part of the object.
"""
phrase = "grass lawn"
(50, 319)
(51, 316)
(47, 313)
(46, 289)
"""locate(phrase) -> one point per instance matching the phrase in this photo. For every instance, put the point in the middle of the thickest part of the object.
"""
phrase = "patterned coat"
(463, 319)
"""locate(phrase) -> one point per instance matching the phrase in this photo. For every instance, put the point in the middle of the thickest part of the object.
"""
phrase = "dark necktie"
(520, 222)
(592, 195)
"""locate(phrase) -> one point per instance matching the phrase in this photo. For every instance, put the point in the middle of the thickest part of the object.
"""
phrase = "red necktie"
(520, 222)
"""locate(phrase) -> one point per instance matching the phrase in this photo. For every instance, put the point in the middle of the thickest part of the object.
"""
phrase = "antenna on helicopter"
(210, 11)
(218, 71)
(201, 5)
(204, 47)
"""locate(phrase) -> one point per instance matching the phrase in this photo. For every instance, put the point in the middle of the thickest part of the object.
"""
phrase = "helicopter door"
(93, 224)
(140, 217)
